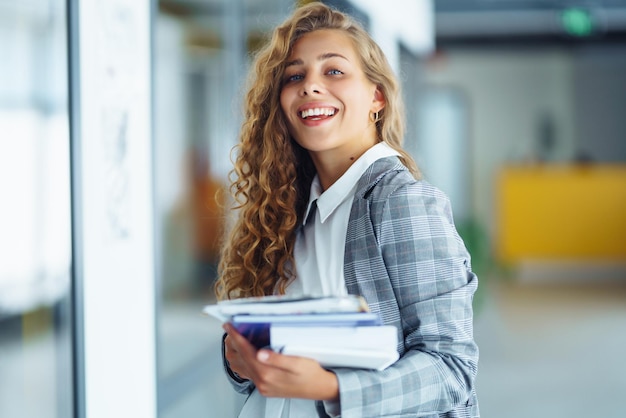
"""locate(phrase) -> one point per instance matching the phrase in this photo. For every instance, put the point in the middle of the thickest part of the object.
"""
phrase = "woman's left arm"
(429, 270)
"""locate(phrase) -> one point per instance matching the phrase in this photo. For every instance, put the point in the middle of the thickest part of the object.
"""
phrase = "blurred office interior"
(514, 108)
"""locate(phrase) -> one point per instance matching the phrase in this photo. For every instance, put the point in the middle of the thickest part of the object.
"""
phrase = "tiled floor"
(552, 350)
(193, 381)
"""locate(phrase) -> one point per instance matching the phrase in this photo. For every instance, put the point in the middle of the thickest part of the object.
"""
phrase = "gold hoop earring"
(374, 117)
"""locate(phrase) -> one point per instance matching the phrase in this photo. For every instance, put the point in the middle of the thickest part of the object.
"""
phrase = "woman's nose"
(311, 85)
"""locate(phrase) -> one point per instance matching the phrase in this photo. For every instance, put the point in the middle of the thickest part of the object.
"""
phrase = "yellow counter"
(568, 212)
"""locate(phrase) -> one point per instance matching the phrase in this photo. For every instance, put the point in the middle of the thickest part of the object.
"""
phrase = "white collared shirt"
(319, 253)
(320, 244)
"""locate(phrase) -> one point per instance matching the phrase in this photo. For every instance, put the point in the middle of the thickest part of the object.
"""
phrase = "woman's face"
(326, 98)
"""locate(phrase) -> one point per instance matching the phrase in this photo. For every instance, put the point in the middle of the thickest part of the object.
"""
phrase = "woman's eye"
(293, 77)
(335, 72)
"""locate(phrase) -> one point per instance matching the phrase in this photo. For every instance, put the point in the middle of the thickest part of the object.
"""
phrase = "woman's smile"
(315, 114)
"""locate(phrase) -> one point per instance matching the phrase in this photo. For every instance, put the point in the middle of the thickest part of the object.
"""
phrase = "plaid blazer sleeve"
(404, 256)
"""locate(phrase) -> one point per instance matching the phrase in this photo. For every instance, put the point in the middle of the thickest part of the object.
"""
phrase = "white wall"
(410, 22)
(507, 92)
(113, 204)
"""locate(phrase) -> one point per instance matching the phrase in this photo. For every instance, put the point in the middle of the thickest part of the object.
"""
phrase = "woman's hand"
(279, 375)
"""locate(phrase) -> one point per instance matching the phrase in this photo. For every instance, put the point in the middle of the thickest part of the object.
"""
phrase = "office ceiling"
(526, 20)
(521, 5)
(468, 21)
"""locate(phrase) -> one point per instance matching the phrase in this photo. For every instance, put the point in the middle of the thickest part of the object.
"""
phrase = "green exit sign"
(577, 22)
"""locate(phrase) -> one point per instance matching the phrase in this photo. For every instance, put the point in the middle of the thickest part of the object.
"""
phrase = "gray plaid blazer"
(404, 256)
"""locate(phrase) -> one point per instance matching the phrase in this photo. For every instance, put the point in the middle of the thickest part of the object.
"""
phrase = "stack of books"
(335, 331)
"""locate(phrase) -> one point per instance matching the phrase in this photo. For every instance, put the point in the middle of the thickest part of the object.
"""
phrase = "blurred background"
(516, 109)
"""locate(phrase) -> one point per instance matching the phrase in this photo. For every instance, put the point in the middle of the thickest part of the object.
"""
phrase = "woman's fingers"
(290, 364)
(295, 377)
(276, 374)
(238, 352)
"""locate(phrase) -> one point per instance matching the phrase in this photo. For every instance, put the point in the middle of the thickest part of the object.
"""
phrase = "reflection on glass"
(35, 246)
(200, 60)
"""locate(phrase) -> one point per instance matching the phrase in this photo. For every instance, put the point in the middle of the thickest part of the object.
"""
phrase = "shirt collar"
(331, 198)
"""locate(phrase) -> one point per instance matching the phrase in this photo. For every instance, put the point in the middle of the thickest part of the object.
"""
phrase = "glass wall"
(35, 239)
(201, 59)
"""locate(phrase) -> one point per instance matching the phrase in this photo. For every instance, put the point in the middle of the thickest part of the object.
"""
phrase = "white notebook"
(370, 347)
(333, 357)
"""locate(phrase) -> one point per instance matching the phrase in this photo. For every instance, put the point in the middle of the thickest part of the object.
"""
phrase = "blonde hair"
(272, 172)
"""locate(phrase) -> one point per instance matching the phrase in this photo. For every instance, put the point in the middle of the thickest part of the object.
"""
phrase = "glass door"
(200, 62)
(36, 370)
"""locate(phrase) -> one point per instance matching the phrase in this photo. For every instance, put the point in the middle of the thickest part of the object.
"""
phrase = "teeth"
(317, 112)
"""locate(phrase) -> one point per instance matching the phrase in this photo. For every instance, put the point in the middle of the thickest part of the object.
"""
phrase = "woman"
(330, 204)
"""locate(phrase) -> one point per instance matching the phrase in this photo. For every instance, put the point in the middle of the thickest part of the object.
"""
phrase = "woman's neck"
(331, 165)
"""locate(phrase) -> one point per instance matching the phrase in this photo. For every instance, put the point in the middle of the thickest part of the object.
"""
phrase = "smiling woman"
(331, 204)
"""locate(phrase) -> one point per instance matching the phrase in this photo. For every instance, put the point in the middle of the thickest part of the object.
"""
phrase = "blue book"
(256, 328)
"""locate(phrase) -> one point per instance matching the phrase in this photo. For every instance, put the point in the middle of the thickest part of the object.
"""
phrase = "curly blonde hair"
(272, 173)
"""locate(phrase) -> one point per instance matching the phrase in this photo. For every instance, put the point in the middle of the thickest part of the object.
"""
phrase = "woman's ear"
(379, 102)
